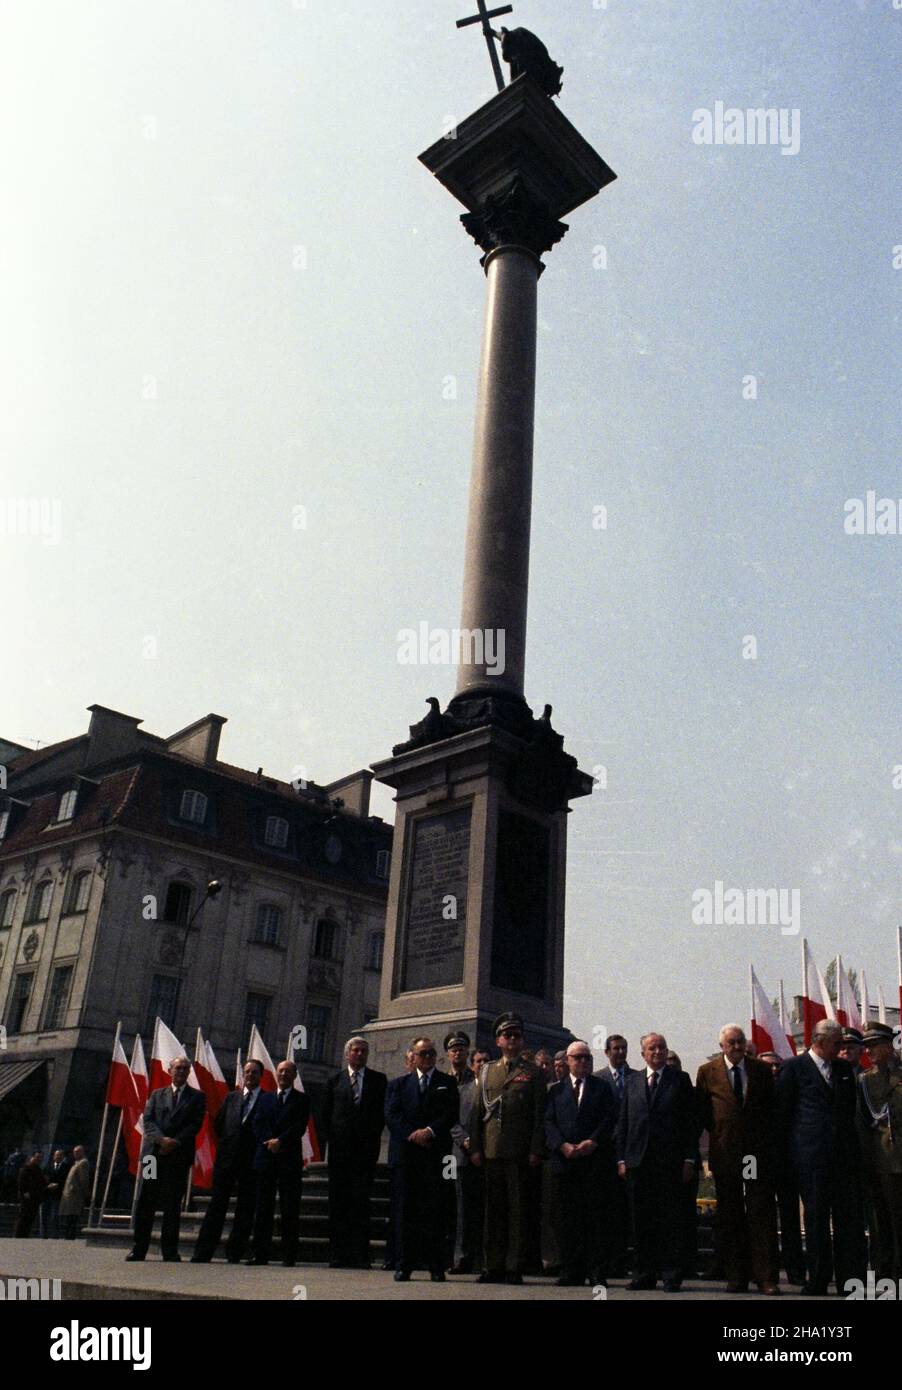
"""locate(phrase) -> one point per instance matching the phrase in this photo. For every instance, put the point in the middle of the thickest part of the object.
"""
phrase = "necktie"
(424, 1082)
(355, 1088)
(652, 1086)
(618, 1081)
(578, 1091)
(246, 1105)
(177, 1097)
(737, 1084)
(282, 1097)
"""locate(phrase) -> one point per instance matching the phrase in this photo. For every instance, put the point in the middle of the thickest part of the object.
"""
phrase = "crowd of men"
(54, 1193)
(533, 1164)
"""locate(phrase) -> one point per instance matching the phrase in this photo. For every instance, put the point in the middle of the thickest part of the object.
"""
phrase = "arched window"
(79, 892)
(276, 832)
(39, 907)
(193, 807)
(7, 907)
(178, 903)
(269, 924)
(374, 950)
(328, 940)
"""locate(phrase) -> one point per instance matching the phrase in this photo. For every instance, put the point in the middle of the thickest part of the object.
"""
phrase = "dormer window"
(276, 832)
(193, 807)
(67, 805)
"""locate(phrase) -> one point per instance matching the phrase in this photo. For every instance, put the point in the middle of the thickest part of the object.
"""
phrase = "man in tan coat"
(75, 1193)
(507, 1137)
(735, 1097)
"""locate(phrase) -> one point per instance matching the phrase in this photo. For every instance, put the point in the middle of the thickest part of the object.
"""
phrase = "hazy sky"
(233, 301)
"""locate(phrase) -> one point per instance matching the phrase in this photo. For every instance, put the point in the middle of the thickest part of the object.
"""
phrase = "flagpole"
(899, 966)
(751, 999)
(881, 1005)
(106, 1106)
(806, 1012)
(109, 1175)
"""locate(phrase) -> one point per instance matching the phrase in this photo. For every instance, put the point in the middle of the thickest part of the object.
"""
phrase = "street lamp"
(213, 889)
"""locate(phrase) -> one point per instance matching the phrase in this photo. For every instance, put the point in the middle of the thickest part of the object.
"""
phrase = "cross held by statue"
(484, 18)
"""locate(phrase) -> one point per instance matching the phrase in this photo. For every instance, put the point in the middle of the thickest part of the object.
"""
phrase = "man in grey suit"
(617, 1196)
(172, 1117)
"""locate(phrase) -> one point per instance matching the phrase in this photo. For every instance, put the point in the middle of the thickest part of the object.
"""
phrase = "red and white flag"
(205, 1143)
(310, 1146)
(256, 1052)
(846, 1004)
(865, 1001)
(767, 1031)
(816, 1002)
(120, 1088)
(133, 1118)
(239, 1070)
(165, 1046)
(899, 966)
(881, 1005)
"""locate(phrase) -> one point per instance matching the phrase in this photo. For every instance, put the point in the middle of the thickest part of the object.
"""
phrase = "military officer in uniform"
(507, 1139)
(881, 1116)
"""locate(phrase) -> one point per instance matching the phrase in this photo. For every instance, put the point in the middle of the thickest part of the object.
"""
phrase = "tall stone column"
(475, 916)
(496, 564)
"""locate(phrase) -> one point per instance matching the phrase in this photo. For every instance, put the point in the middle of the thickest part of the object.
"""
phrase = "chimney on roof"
(354, 791)
(110, 734)
(199, 741)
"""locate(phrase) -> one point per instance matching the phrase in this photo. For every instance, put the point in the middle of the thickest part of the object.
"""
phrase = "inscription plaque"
(439, 860)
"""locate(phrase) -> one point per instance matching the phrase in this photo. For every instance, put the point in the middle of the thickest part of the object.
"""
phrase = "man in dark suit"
(817, 1098)
(56, 1172)
(792, 1255)
(735, 1097)
(244, 1121)
(283, 1169)
(420, 1111)
(614, 1075)
(352, 1121)
(655, 1143)
(580, 1115)
(172, 1117)
(32, 1187)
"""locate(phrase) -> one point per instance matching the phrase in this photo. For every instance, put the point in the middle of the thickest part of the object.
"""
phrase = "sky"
(241, 328)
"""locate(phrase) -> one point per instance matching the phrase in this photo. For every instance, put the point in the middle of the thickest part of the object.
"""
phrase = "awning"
(13, 1073)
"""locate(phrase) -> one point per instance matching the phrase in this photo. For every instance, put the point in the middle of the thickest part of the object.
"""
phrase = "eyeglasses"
(425, 1052)
(581, 1056)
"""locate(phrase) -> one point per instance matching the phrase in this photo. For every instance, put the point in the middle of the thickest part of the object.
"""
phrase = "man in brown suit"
(735, 1095)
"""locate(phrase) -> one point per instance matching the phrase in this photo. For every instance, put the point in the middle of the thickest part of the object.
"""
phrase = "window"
(193, 807)
(4, 824)
(276, 832)
(164, 998)
(58, 997)
(178, 903)
(79, 892)
(374, 948)
(39, 906)
(320, 1023)
(7, 907)
(269, 922)
(328, 940)
(383, 862)
(67, 805)
(256, 1010)
(18, 1001)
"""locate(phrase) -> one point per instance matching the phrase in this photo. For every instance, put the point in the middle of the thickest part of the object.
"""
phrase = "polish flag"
(120, 1088)
(205, 1143)
(256, 1052)
(239, 1070)
(165, 1046)
(881, 1005)
(816, 1002)
(846, 1004)
(310, 1146)
(785, 1024)
(865, 1001)
(899, 966)
(216, 1087)
(768, 1034)
(133, 1118)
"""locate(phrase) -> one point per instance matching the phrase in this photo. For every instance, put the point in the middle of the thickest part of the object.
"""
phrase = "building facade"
(109, 843)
